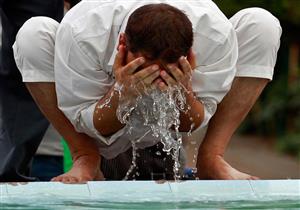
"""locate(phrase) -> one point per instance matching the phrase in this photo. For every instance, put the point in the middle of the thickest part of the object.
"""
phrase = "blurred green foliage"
(290, 144)
(281, 114)
(277, 112)
(285, 10)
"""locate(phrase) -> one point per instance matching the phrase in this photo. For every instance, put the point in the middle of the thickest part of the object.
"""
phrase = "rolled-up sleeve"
(80, 84)
(213, 77)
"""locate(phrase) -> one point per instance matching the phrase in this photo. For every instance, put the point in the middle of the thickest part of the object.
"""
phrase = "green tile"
(276, 187)
(48, 189)
(125, 191)
(3, 190)
(150, 195)
(212, 190)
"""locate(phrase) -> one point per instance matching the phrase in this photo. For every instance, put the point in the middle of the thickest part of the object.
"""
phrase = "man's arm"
(84, 150)
(105, 118)
(230, 113)
(193, 114)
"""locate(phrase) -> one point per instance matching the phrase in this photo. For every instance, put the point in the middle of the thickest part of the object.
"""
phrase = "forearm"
(221, 127)
(105, 119)
(193, 114)
(217, 136)
(80, 144)
(230, 113)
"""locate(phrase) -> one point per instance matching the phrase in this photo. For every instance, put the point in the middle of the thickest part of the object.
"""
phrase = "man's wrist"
(189, 94)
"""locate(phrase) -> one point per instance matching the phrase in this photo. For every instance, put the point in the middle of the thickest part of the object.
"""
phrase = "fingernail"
(182, 58)
(142, 60)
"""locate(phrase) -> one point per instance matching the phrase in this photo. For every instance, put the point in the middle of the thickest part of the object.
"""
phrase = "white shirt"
(85, 49)
(51, 143)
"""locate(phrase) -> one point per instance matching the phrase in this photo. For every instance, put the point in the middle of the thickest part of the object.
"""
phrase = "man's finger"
(131, 67)
(150, 78)
(175, 72)
(119, 60)
(192, 59)
(141, 75)
(185, 65)
(160, 84)
(167, 78)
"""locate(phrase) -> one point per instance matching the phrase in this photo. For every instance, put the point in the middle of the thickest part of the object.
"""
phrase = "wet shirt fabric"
(85, 48)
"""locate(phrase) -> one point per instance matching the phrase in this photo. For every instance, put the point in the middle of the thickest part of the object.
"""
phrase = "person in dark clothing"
(22, 126)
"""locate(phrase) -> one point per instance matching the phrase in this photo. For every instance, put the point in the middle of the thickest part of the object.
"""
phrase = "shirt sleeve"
(212, 78)
(80, 84)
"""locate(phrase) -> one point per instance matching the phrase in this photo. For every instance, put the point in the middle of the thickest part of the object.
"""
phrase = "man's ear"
(122, 40)
(191, 58)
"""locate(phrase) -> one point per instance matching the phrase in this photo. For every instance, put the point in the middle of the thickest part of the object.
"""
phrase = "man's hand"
(85, 168)
(133, 82)
(181, 75)
(178, 75)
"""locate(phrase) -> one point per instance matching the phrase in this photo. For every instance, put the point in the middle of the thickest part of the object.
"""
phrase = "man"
(85, 49)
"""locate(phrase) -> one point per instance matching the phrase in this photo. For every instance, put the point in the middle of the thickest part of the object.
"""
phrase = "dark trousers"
(22, 125)
(45, 167)
(152, 163)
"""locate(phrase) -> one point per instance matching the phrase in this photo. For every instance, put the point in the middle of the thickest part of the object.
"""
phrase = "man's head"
(158, 32)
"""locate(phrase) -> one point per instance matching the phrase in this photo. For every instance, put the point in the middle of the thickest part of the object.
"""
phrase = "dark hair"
(159, 30)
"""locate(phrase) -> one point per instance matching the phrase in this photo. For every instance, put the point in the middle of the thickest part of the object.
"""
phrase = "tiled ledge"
(152, 191)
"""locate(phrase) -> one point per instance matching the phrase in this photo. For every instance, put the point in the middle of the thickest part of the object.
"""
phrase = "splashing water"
(160, 112)
(157, 110)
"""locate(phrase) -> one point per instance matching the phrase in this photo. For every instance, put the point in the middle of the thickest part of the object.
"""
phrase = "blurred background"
(268, 142)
